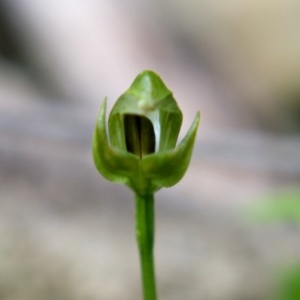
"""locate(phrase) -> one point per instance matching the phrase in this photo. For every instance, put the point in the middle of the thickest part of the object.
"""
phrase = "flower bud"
(139, 148)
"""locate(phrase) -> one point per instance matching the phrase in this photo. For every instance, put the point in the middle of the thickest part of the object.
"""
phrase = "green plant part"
(139, 150)
(280, 206)
(143, 129)
(288, 282)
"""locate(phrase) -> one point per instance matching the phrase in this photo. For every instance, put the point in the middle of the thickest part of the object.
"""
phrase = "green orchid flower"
(139, 148)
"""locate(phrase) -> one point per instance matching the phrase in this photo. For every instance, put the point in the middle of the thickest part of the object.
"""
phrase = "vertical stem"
(145, 240)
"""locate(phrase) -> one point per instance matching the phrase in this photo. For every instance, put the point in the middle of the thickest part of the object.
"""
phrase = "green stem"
(145, 239)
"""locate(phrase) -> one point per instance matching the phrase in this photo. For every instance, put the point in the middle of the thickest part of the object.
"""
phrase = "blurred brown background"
(65, 232)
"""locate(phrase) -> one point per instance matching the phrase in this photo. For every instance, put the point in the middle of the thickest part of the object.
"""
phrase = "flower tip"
(150, 88)
(102, 110)
(197, 118)
(195, 125)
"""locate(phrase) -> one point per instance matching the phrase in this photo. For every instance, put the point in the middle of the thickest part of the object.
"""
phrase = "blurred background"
(229, 228)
